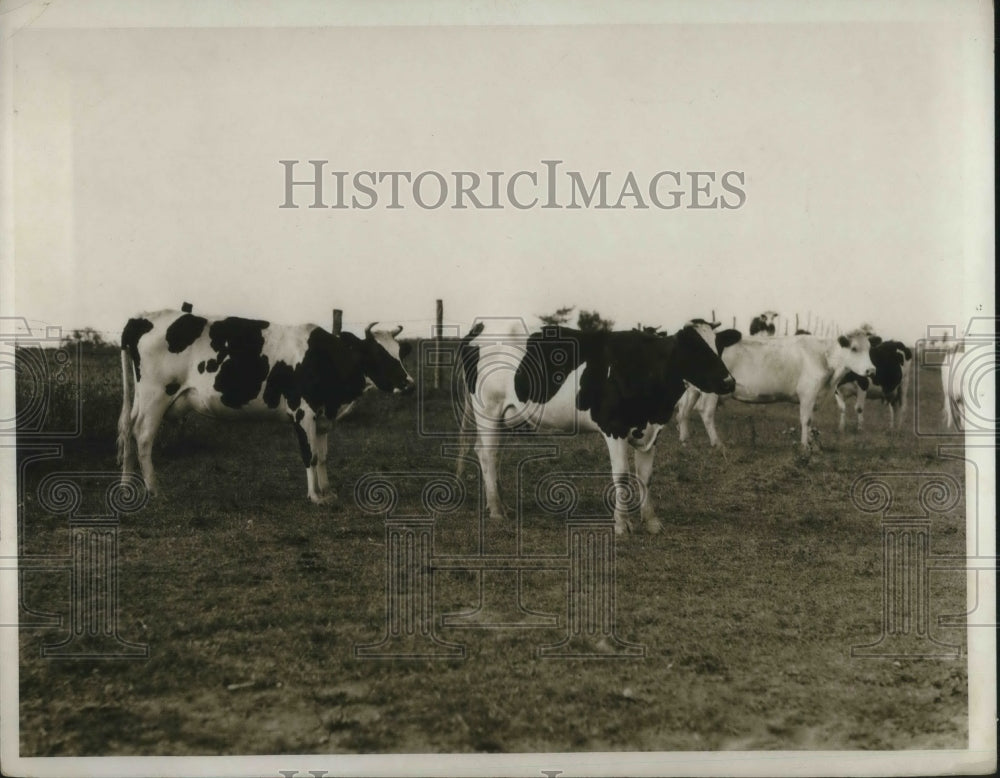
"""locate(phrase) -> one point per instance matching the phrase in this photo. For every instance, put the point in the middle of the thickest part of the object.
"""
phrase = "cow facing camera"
(459, 372)
(47, 378)
(954, 387)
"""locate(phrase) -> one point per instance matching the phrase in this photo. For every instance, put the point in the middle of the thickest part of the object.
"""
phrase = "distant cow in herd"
(174, 362)
(763, 324)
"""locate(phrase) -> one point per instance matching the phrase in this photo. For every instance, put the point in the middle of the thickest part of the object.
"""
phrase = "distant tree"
(561, 316)
(88, 338)
(591, 321)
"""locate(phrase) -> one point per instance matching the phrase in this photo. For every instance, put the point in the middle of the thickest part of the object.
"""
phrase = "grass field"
(252, 600)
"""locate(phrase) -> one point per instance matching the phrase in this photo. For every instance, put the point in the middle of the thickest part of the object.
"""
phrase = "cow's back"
(770, 369)
(221, 366)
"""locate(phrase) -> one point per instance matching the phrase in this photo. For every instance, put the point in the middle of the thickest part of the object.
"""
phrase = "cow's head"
(699, 361)
(764, 323)
(890, 358)
(853, 354)
(382, 360)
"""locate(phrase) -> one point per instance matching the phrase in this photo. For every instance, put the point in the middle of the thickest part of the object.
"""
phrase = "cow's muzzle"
(408, 388)
(728, 385)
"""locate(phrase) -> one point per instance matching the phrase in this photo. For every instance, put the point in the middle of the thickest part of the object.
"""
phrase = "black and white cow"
(623, 385)
(229, 368)
(781, 369)
(893, 362)
(763, 324)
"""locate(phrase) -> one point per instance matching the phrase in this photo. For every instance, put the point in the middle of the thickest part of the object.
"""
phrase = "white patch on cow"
(707, 333)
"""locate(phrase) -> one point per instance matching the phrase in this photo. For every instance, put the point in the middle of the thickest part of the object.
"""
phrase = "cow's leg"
(618, 450)
(859, 409)
(706, 407)
(322, 479)
(304, 425)
(684, 406)
(806, 406)
(842, 424)
(487, 443)
(644, 472)
(147, 413)
(903, 389)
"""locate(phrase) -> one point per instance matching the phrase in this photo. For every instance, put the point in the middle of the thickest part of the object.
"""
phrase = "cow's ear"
(875, 340)
(843, 341)
(727, 338)
(907, 353)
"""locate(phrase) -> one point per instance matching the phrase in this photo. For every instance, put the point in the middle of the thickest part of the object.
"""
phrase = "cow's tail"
(126, 441)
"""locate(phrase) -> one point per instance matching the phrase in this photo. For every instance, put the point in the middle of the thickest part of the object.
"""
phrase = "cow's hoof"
(323, 499)
(496, 513)
(653, 526)
(622, 527)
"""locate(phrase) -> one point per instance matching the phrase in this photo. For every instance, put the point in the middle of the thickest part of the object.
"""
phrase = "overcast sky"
(146, 170)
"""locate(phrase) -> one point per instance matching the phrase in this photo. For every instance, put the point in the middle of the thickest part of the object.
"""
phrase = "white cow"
(781, 369)
(953, 412)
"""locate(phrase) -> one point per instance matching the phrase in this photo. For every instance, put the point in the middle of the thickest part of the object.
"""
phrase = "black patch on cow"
(629, 380)
(331, 373)
(803, 332)
(242, 365)
(313, 460)
(889, 367)
(184, 331)
(468, 356)
(282, 382)
(133, 330)
(186, 307)
(853, 378)
(299, 415)
(211, 366)
(201, 366)
(172, 387)
(727, 338)
(550, 357)
(304, 450)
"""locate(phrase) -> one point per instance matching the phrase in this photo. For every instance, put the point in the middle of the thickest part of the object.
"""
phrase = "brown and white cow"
(622, 385)
(174, 363)
(781, 369)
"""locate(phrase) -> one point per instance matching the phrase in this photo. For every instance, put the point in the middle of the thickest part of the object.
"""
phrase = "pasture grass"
(252, 600)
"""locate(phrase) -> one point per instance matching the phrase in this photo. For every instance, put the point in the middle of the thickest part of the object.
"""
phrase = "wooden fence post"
(438, 331)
